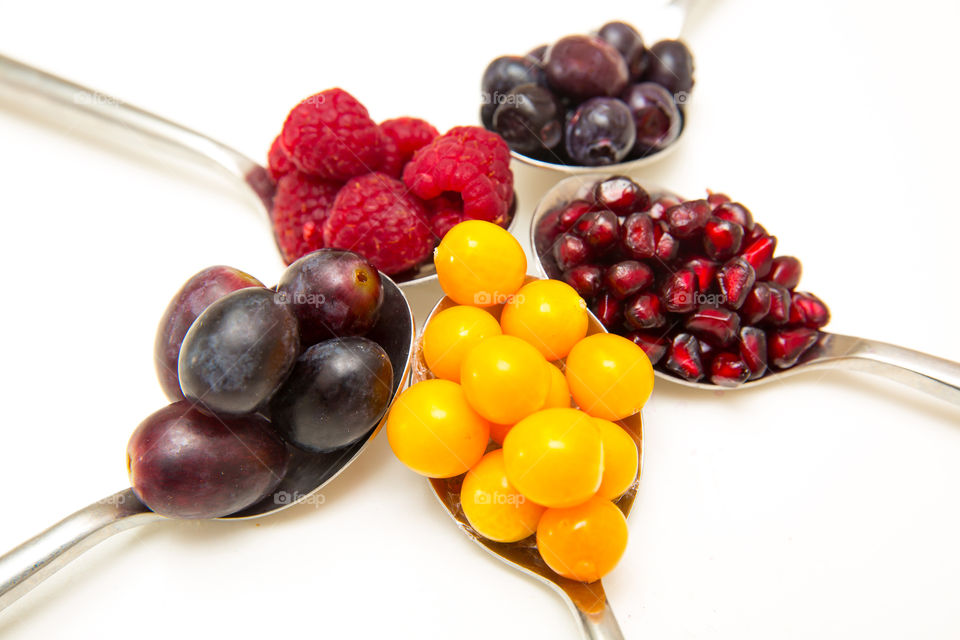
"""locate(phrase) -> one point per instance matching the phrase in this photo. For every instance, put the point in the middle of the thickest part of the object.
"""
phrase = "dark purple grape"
(198, 293)
(239, 352)
(501, 75)
(600, 132)
(185, 463)
(628, 42)
(537, 54)
(671, 66)
(655, 115)
(338, 391)
(530, 120)
(585, 66)
(333, 293)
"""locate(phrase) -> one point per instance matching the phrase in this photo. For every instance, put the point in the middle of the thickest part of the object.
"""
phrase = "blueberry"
(530, 120)
(600, 132)
(655, 115)
(502, 75)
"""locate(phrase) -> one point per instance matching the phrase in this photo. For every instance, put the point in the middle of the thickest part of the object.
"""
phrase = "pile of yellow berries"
(507, 359)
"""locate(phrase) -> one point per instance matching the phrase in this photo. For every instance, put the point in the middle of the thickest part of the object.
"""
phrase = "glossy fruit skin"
(333, 293)
(480, 264)
(638, 237)
(736, 278)
(684, 357)
(584, 542)
(644, 311)
(434, 431)
(621, 195)
(451, 334)
(734, 212)
(652, 342)
(679, 291)
(572, 212)
(753, 350)
(623, 279)
(504, 379)
(808, 310)
(493, 506)
(759, 254)
(586, 279)
(502, 75)
(785, 346)
(548, 314)
(785, 271)
(601, 131)
(655, 115)
(555, 457)
(688, 218)
(727, 369)
(671, 66)
(598, 229)
(610, 377)
(722, 238)
(238, 352)
(757, 305)
(628, 42)
(717, 326)
(558, 394)
(337, 392)
(582, 66)
(530, 120)
(569, 251)
(609, 311)
(621, 459)
(198, 293)
(185, 463)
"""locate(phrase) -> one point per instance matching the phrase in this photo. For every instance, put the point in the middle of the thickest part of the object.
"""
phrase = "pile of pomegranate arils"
(695, 283)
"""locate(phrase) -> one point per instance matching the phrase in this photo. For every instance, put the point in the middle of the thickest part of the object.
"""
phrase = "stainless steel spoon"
(36, 559)
(588, 602)
(930, 374)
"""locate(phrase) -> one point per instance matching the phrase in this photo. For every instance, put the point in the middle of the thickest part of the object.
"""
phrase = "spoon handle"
(601, 625)
(41, 556)
(75, 97)
(930, 374)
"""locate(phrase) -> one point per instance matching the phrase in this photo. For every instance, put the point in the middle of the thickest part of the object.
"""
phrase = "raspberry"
(446, 211)
(278, 162)
(378, 218)
(330, 135)
(300, 206)
(470, 161)
(403, 137)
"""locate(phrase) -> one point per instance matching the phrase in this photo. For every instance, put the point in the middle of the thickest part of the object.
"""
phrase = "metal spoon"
(930, 374)
(36, 559)
(588, 602)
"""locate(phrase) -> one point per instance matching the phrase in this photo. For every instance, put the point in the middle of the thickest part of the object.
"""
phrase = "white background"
(826, 507)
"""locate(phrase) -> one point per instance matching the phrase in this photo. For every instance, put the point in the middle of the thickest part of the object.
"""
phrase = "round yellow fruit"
(493, 506)
(480, 264)
(548, 314)
(451, 334)
(621, 459)
(584, 542)
(610, 377)
(558, 395)
(504, 379)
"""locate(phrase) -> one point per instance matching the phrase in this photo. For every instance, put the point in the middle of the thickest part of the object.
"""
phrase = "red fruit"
(680, 291)
(736, 278)
(759, 254)
(599, 229)
(785, 271)
(330, 135)
(668, 247)
(607, 309)
(621, 195)
(638, 237)
(785, 346)
(375, 216)
(279, 163)
(402, 138)
(718, 326)
(752, 235)
(627, 278)
(722, 238)
(572, 212)
(301, 205)
(717, 199)
(704, 269)
(687, 218)
(727, 369)
(586, 279)
(683, 357)
(569, 251)
(444, 213)
(736, 213)
(653, 344)
(757, 305)
(658, 210)
(808, 310)
(753, 350)
(779, 305)
(644, 311)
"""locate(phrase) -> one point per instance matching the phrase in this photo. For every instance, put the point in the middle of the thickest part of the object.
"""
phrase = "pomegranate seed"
(753, 350)
(736, 278)
(679, 291)
(572, 212)
(785, 346)
(621, 195)
(599, 229)
(683, 357)
(668, 247)
(728, 370)
(759, 254)
(627, 278)
(757, 305)
(653, 344)
(735, 212)
(808, 310)
(785, 271)
(607, 310)
(704, 269)
(570, 251)
(687, 218)
(722, 238)
(658, 210)
(706, 353)
(754, 234)
(637, 236)
(717, 199)
(779, 305)
(719, 326)
(586, 279)
(644, 311)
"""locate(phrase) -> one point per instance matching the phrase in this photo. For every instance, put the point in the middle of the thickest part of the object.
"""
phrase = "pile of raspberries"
(387, 191)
